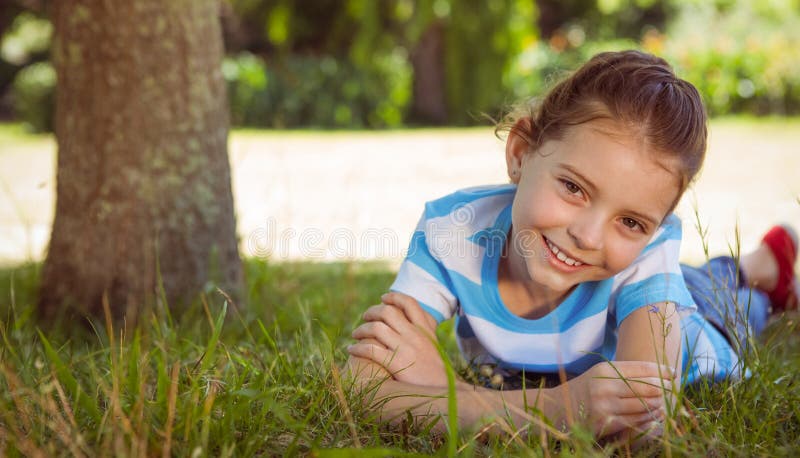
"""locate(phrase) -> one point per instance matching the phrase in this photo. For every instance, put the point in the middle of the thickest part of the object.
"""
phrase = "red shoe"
(782, 242)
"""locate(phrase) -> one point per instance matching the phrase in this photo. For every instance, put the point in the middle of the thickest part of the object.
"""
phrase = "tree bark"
(551, 17)
(428, 104)
(143, 179)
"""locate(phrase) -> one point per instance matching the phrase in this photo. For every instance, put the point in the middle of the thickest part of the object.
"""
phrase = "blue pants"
(719, 291)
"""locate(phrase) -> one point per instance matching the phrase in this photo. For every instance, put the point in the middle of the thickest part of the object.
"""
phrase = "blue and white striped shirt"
(451, 269)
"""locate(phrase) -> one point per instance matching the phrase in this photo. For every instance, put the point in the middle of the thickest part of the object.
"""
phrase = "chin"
(564, 282)
(553, 281)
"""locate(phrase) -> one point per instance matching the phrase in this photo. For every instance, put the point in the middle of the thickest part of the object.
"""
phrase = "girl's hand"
(397, 335)
(630, 395)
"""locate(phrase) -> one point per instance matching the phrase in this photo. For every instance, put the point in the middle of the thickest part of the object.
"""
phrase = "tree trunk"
(143, 180)
(551, 17)
(428, 104)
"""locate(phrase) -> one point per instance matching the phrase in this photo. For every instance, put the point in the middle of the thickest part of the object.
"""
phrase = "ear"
(517, 147)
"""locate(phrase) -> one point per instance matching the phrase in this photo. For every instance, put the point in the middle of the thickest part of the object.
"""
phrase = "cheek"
(541, 209)
(622, 253)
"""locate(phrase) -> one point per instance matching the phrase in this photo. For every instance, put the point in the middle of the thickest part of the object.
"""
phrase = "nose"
(586, 231)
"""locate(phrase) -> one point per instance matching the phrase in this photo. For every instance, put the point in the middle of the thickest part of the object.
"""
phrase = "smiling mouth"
(561, 256)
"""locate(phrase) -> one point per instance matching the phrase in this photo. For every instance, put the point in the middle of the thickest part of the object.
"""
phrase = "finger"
(624, 386)
(363, 368)
(631, 406)
(642, 433)
(390, 315)
(372, 352)
(396, 319)
(631, 369)
(386, 358)
(411, 308)
(370, 341)
(379, 331)
(645, 387)
(635, 422)
(373, 313)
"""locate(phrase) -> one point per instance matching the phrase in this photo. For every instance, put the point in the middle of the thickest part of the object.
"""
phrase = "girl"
(571, 271)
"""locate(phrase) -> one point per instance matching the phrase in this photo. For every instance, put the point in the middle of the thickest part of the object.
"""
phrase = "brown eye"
(631, 223)
(571, 187)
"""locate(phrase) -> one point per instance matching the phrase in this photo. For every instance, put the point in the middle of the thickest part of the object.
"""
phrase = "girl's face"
(586, 206)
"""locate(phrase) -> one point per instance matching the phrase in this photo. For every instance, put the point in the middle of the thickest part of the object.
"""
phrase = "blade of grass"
(171, 400)
(86, 402)
(337, 380)
(452, 400)
(211, 347)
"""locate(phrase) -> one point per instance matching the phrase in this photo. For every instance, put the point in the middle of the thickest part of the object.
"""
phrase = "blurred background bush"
(395, 63)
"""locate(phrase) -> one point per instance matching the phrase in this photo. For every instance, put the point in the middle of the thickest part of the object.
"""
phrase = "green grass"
(264, 382)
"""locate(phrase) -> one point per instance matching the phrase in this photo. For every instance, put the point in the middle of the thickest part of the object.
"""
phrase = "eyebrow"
(592, 187)
(585, 180)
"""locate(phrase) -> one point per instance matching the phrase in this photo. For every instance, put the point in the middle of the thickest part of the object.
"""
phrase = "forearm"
(509, 411)
(653, 336)
(399, 369)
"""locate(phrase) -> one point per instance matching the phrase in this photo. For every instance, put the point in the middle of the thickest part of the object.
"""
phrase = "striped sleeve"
(424, 278)
(707, 355)
(655, 276)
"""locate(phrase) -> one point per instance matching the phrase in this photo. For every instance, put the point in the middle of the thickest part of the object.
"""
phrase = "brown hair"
(633, 88)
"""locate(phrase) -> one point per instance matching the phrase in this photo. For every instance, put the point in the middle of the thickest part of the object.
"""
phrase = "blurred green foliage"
(481, 40)
(311, 91)
(27, 35)
(34, 96)
(743, 56)
(349, 63)
(24, 70)
(358, 63)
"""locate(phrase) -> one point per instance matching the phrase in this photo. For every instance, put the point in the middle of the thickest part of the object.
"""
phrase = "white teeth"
(562, 257)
